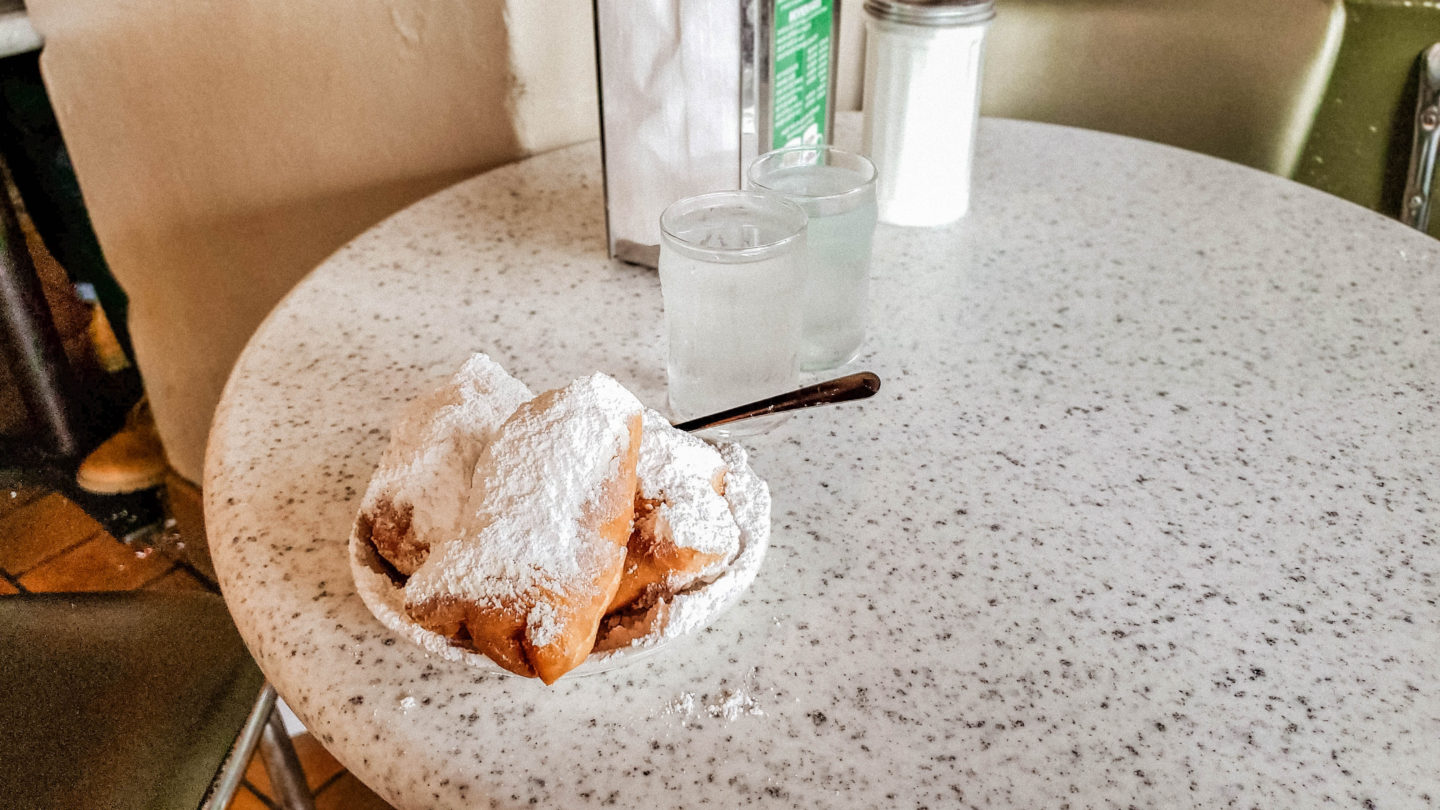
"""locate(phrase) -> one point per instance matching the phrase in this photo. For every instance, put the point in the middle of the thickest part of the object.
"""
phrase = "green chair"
(128, 700)
(1361, 143)
(1235, 79)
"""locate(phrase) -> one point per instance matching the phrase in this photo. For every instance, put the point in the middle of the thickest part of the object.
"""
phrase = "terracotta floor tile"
(317, 763)
(177, 580)
(100, 564)
(255, 775)
(41, 529)
(245, 800)
(349, 793)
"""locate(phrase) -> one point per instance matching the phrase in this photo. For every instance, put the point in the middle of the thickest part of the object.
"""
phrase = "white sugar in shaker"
(922, 104)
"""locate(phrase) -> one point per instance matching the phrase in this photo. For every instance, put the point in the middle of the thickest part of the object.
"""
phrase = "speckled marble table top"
(1146, 513)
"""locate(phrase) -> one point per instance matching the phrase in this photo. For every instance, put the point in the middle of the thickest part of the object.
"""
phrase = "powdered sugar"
(522, 527)
(734, 705)
(729, 705)
(677, 469)
(747, 494)
(684, 705)
(542, 625)
(430, 460)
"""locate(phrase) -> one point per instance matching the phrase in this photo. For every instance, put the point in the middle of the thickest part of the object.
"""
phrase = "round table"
(1144, 514)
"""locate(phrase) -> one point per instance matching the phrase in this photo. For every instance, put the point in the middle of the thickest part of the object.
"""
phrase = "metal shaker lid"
(936, 13)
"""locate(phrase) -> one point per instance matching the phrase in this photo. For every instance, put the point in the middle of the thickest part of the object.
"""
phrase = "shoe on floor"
(129, 461)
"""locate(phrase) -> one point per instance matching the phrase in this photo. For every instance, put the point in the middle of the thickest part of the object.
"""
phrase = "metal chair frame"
(263, 729)
(1420, 178)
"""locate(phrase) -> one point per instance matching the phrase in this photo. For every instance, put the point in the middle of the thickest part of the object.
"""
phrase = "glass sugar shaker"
(922, 104)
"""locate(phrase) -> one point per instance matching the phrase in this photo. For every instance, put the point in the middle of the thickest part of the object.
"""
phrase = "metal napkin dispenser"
(692, 90)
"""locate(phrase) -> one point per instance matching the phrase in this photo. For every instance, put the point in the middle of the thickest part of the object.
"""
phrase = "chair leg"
(232, 771)
(265, 729)
(287, 778)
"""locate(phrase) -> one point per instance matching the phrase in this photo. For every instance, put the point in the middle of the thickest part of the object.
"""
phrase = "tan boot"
(129, 461)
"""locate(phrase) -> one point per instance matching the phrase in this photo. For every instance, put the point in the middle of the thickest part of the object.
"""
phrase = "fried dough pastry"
(684, 531)
(418, 493)
(542, 544)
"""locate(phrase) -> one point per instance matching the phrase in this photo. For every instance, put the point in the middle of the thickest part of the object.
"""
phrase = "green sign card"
(802, 71)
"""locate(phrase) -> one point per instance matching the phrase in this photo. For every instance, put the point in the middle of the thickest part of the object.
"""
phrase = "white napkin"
(670, 108)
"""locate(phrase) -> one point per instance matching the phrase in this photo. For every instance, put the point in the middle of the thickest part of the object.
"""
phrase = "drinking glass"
(732, 277)
(837, 191)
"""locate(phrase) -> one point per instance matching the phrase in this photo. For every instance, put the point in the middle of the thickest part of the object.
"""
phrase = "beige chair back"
(224, 149)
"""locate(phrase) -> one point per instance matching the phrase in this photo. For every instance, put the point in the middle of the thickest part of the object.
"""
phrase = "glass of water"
(837, 190)
(732, 275)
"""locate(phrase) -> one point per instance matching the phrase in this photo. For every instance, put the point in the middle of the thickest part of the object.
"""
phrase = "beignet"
(542, 542)
(684, 531)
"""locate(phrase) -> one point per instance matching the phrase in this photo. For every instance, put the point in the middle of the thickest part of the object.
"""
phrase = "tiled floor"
(47, 543)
